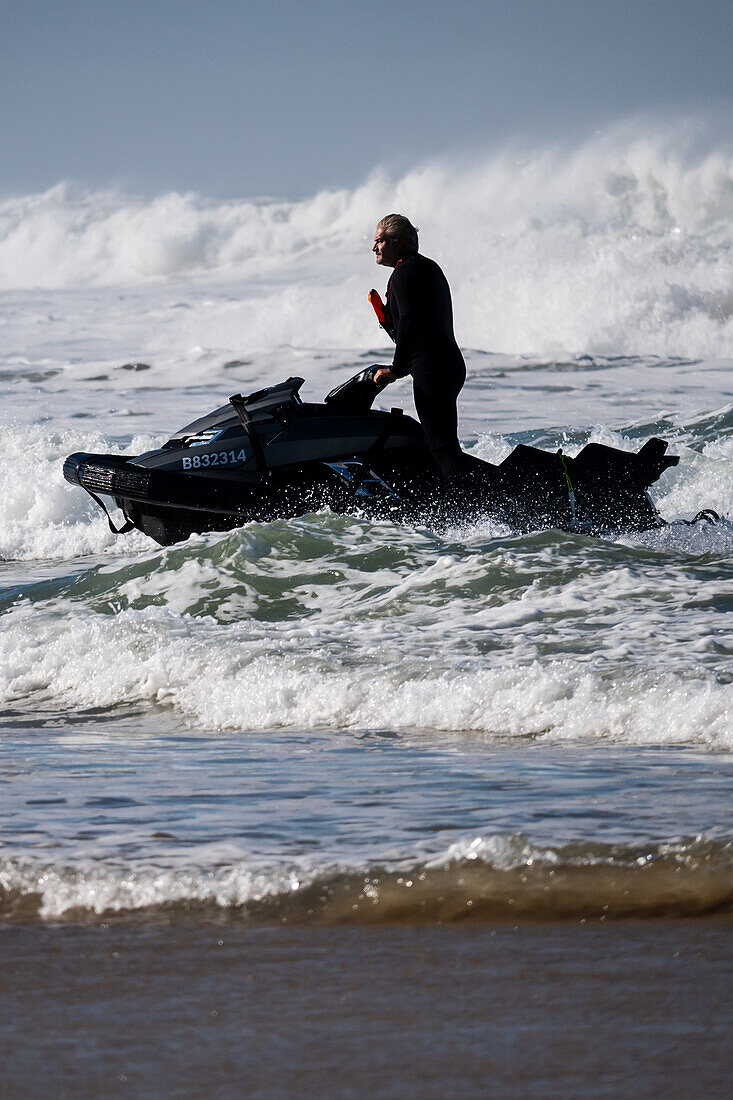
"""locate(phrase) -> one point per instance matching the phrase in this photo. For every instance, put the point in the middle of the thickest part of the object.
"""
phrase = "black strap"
(707, 515)
(128, 526)
(245, 418)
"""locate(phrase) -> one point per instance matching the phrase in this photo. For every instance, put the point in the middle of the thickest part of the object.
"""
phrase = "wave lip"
(484, 880)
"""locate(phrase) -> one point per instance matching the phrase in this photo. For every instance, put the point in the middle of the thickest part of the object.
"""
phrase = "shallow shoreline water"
(636, 1008)
(355, 827)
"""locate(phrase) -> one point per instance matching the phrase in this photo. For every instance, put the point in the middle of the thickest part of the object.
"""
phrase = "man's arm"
(398, 299)
(404, 296)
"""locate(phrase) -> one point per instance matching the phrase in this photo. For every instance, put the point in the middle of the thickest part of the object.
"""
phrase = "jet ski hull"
(271, 456)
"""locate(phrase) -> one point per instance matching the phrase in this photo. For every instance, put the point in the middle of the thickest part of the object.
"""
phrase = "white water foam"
(623, 245)
(41, 515)
(251, 677)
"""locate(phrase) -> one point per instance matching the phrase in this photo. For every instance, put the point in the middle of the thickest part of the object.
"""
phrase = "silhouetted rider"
(419, 317)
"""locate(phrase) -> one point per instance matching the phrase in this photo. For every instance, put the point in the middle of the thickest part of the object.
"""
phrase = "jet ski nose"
(72, 465)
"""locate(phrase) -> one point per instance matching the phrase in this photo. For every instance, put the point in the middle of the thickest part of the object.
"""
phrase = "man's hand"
(384, 376)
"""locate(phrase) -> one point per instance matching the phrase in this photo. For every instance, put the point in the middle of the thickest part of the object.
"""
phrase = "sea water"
(335, 719)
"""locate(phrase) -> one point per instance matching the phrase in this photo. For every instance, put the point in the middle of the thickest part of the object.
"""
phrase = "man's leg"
(436, 408)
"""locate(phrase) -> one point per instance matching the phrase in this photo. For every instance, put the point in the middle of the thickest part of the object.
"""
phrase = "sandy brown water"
(118, 1009)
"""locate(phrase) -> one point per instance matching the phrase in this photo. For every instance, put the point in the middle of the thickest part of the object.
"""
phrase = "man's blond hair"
(397, 225)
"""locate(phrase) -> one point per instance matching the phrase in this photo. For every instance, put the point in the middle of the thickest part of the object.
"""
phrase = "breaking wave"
(622, 245)
(495, 878)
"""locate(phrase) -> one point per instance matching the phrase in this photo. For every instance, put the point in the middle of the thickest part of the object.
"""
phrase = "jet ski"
(271, 455)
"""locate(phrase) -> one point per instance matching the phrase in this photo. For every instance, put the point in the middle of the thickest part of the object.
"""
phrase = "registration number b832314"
(214, 458)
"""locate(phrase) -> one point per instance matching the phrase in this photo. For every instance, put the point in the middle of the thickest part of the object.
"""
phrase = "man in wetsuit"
(419, 317)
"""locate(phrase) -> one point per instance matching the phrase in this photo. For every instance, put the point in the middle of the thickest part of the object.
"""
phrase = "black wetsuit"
(419, 313)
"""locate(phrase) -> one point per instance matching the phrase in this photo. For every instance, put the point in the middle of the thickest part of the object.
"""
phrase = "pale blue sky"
(245, 97)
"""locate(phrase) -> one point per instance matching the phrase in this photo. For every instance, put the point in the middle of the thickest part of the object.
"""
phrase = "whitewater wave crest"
(493, 878)
(622, 245)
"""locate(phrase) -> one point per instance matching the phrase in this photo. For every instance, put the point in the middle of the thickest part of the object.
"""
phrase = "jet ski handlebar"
(358, 393)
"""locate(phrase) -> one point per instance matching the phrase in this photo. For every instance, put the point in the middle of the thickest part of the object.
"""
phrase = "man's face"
(386, 249)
